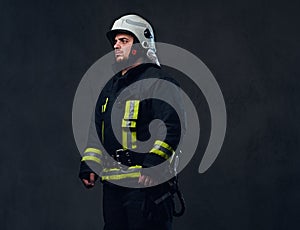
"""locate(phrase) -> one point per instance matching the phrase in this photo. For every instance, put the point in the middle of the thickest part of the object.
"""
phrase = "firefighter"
(134, 198)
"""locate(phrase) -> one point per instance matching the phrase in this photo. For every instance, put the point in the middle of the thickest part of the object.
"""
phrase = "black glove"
(85, 171)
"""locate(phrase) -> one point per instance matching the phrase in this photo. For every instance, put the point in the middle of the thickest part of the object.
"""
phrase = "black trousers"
(133, 208)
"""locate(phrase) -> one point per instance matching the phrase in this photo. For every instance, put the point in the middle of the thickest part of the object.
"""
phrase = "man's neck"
(138, 62)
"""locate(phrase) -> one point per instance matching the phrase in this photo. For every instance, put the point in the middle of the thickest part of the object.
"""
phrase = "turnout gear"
(127, 159)
(121, 125)
(133, 119)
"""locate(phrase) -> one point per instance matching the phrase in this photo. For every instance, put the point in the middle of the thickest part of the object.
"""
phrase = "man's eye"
(121, 40)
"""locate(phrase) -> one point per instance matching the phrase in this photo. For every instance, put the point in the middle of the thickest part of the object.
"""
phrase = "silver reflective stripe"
(92, 154)
(115, 171)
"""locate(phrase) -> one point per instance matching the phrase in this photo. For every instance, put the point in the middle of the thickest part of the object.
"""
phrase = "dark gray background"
(251, 47)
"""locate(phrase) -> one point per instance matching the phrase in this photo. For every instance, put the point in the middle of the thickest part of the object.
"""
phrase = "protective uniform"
(128, 144)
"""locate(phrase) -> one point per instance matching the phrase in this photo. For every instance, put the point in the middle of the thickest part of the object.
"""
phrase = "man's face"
(122, 46)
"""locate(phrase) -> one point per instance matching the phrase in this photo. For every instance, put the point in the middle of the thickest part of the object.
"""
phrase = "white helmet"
(140, 28)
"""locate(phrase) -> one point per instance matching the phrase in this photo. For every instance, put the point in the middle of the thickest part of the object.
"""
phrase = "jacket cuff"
(152, 159)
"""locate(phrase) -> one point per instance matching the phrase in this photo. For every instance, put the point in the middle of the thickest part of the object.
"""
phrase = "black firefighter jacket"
(141, 112)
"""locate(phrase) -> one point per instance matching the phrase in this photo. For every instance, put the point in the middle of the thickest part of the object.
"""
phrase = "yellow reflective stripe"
(127, 138)
(124, 123)
(127, 109)
(160, 153)
(121, 176)
(129, 124)
(131, 109)
(111, 169)
(91, 158)
(118, 174)
(118, 169)
(165, 145)
(124, 139)
(104, 105)
(93, 150)
(133, 140)
(136, 109)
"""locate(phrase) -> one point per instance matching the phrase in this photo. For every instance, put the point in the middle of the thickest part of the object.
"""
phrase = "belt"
(123, 164)
(123, 158)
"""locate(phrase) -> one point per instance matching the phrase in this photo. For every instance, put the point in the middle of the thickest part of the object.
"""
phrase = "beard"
(130, 60)
(123, 64)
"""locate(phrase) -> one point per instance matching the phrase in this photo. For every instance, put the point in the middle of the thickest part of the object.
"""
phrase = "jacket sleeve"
(171, 113)
(91, 160)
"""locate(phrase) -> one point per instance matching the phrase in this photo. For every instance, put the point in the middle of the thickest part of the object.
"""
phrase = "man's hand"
(89, 183)
(147, 181)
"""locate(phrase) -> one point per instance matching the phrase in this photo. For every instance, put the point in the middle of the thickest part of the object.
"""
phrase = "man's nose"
(117, 45)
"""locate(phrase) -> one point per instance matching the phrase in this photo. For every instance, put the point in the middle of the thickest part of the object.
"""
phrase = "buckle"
(124, 158)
